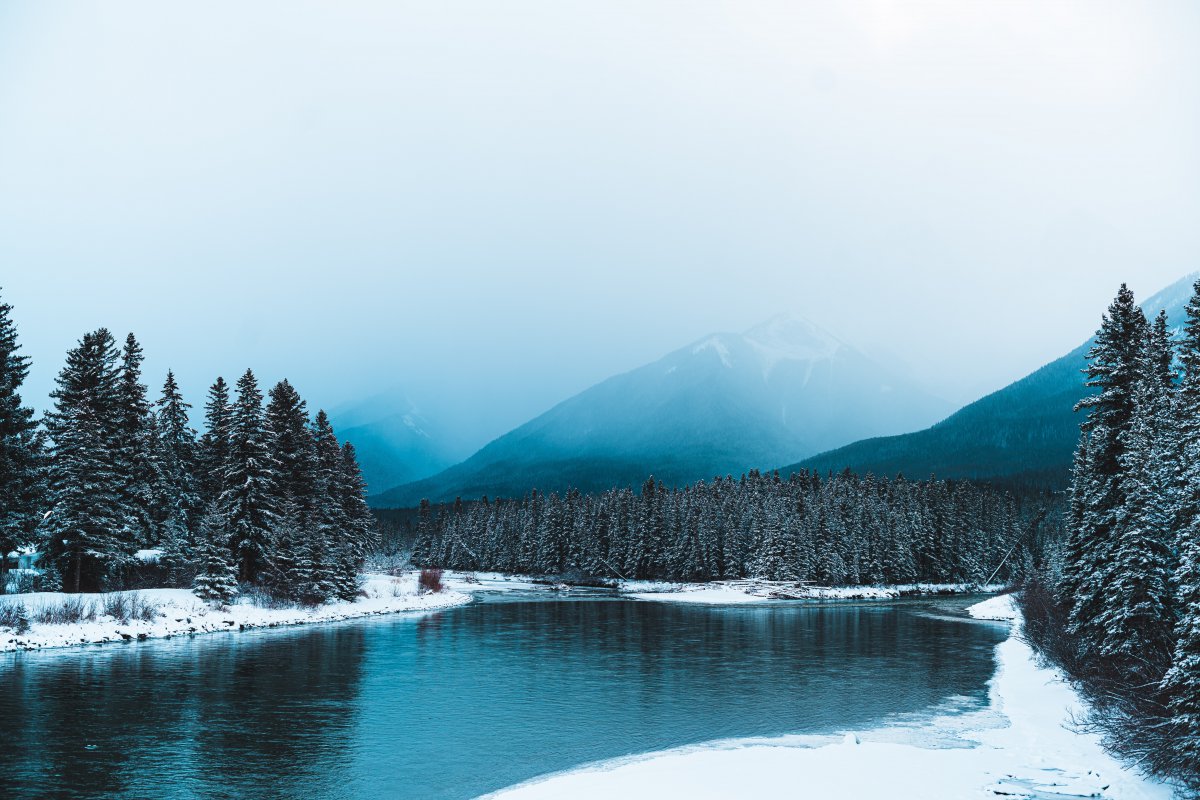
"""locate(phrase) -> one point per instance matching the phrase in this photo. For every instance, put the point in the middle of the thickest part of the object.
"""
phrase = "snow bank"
(1031, 752)
(176, 612)
(736, 592)
(1000, 607)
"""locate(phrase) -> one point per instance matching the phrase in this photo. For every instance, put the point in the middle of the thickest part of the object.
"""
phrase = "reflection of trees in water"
(266, 717)
(462, 702)
(749, 667)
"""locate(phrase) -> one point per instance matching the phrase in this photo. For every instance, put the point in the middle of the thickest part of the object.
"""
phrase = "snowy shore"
(163, 613)
(1023, 746)
(736, 592)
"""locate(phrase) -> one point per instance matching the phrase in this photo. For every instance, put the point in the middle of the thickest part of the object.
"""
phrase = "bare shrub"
(70, 610)
(430, 581)
(15, 616)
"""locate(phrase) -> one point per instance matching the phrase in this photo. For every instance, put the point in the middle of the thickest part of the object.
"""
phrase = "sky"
(491, 206)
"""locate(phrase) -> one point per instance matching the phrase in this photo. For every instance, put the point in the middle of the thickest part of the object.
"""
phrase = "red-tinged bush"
(430, 581)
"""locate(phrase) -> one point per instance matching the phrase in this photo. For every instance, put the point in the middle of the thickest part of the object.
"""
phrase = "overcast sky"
(498, 204)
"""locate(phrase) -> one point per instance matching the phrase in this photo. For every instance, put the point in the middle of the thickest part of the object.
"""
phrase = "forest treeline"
(1118, 604)
(840, 529)
(267, 497)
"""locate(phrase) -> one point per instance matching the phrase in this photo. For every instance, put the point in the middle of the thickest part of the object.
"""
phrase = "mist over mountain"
(396, 442)
(723, 404)
(1025, 432)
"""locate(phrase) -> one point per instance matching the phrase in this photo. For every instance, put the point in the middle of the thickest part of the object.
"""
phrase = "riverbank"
(759, 591)
(1024, 746)
(732, 592)
(163, 613)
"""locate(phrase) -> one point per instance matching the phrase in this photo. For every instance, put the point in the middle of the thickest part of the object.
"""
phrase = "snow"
(716, 344)
(788, 337)
(177, 612)
(148, 556)
(1023, 746)
(1000, 607)
(738, 592)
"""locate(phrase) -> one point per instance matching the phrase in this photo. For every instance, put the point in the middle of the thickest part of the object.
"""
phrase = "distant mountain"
(395, 442)
(1024, 433)
(724, 404)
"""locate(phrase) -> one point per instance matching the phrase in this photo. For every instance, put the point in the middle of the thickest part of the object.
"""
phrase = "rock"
(126, 636)
(143, 637)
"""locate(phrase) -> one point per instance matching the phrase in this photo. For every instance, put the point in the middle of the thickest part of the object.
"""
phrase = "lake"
(468, 700)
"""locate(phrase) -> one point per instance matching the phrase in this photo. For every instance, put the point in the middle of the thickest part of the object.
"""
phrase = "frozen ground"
(176, 612)
(1023, 746)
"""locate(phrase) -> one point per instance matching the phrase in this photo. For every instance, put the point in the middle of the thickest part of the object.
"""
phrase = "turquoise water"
(467, 700)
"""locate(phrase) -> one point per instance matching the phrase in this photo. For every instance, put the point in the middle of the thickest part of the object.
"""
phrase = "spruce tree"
(213, 456)
(1137, 616)
(248, 502)
(136, 452)
(1181, 684)
(179, 504)
(1114, 368)
(20, 448)
(86, 530)
(216, 578)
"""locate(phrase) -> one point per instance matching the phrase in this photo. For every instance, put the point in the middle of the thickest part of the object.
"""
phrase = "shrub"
(71, 609)
(15, 616)
(430, 581)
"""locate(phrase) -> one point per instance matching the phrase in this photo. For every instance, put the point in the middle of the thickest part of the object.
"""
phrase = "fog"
(492, 206)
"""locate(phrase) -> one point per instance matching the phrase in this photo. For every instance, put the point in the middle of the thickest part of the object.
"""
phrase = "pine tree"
(216, 579)
(1137, 617)
(1181, 685)
(248, 502)
(20, 448)
(1114, 368)
(215, 446)
(86, 530)
(179, 503)
(135, 449)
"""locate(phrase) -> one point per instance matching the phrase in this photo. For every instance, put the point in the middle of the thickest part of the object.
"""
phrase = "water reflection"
(464, 701)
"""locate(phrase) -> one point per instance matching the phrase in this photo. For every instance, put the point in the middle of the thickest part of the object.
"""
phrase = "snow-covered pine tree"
(363, 531)
(293, 453)
(85, 530)
(1113, 368)
(215, 446)
(331, 522)
(178, 503)
(248, 501)
(136, 451)
(216, 578)
(1137, 614)
(21, 479)
(1182, 683)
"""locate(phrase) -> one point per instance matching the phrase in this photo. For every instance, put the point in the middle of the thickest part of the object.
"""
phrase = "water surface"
(467, 700)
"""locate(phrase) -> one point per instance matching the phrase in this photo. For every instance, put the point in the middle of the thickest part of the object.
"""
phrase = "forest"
(267, 499)
(1117, 603)
(838, 530)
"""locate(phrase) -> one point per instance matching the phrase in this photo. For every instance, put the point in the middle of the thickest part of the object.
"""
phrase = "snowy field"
(178, 612)
(1023, 746)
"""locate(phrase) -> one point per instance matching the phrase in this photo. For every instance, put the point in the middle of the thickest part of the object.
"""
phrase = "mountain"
(722, 405)
(1024, 433)
(395, 442)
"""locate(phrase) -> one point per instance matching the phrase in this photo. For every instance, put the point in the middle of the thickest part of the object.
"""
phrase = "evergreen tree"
(248, 501)
(1114, 368)
(20, 448)
(216, 578)
(86, 530)
(1136, 619)
(215, 447)
(135, 448)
